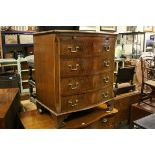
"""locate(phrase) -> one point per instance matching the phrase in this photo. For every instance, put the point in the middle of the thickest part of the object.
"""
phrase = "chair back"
(125, 74)
(148, 68)
(148, 79)
(125, 79)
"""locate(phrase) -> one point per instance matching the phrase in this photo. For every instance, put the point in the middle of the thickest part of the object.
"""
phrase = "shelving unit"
(150, 43)
(23, 69)
(137, 40)
(11, 42)
(18, 67)
(14, 46)
(32, 84)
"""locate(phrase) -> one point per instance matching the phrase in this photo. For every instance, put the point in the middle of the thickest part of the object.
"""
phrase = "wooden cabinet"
(74, 70)
(9, 108)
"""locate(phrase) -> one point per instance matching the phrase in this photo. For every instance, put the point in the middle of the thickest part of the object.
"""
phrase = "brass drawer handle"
(74, 86)
(104, 120)
(73, 103)
(106, 63)
(72, 50)
(107, 48)
(105, 95)
(74, 68)
(106, 79)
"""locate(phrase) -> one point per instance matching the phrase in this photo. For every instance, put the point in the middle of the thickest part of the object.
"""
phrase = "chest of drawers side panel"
(45, 65)
(112, 57)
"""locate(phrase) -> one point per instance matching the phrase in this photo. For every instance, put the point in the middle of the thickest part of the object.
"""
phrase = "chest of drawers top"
(70, 32)
(74, 70)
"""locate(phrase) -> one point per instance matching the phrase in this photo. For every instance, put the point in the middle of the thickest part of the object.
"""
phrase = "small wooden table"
(9, 108)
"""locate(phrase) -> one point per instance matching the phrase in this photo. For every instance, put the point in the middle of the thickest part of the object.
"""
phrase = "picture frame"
(148, 28)
(131, 28)
(108, 28)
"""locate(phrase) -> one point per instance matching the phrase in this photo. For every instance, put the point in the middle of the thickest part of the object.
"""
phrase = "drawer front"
(107, 122)
(85, 66)
(76, 46)
(78, 85)
(77, 102)
(104, 123)
(86, 46)
(104, 47)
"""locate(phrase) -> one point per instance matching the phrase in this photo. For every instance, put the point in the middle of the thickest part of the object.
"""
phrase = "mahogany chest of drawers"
(74, 70)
